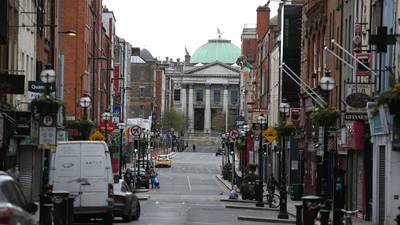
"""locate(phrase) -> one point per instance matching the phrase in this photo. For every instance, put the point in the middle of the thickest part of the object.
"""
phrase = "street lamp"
(327, 84)
(121, 127)
(47, 76)
(106, 117)
(85, 103)
(262, 121)
(283, 214)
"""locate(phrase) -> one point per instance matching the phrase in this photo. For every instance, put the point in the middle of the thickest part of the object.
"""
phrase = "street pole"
(121, 130)
(283, 193)
(105, 131)
(260, 185)
(233, 165)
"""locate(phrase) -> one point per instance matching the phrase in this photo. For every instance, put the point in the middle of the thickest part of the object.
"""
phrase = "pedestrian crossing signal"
(231, 152)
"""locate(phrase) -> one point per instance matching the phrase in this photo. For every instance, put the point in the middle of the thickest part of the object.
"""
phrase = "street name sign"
(270, 134)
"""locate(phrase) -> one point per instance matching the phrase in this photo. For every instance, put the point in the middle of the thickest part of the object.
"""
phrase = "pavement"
(291, 208)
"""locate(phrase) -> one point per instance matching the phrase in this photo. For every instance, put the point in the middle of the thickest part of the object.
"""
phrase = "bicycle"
(347, 216)
(272, 199)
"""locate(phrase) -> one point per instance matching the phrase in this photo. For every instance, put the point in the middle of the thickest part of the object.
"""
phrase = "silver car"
(14, 209)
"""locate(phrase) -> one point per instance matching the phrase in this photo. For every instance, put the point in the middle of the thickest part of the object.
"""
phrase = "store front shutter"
(26, 170)
(381, 185)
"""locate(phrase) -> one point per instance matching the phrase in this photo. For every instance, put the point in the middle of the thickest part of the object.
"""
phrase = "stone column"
(191, 110)
(183, 100)
(207, 111)
(226, 103)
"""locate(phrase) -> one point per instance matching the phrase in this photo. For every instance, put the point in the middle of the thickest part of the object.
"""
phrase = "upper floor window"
(217, 97)
(141, 92)
(199, 95)
(234, 97)
(177, 95)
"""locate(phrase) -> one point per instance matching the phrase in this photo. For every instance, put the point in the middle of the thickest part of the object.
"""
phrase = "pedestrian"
(153, 175)
(194, 147)
(233, 193)
(124, 159)
(271, 184)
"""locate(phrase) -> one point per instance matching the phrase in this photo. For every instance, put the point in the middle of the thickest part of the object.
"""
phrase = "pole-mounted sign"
(234, 133)
(135, 130)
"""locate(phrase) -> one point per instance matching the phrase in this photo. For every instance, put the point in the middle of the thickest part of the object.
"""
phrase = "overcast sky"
(165, 27)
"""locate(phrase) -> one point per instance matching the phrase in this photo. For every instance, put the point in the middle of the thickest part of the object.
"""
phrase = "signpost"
(47, 131)
(233, 134)
(270, 134)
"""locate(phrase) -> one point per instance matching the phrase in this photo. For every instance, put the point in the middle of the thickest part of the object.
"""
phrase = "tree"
(174, 119)
(218, 122)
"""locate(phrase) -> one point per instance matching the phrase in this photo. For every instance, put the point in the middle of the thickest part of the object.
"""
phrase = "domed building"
(205, 88)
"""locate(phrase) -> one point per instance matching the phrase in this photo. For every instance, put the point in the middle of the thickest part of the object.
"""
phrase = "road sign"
(136, 130)
(234, 133)
(270, 134)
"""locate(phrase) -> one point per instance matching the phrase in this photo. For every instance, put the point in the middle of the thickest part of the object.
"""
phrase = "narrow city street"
(190, 194)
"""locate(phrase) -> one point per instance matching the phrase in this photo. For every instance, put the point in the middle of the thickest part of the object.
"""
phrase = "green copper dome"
(216, 50)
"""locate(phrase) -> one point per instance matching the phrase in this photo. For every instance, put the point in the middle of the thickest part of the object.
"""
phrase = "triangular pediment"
(214, 68)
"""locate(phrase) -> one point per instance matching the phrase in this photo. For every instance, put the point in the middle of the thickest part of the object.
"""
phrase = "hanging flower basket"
(240, 145)
(324, 117)
(286, 128)
(391, 98)
(45, 104)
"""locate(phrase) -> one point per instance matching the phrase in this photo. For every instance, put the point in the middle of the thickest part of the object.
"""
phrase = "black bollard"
(45, 208)
(324, 216)
(310, 203)
(299, 211)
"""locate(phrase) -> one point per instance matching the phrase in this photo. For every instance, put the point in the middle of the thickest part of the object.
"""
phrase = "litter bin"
(309, 211)
(63, 207)
(297, 192)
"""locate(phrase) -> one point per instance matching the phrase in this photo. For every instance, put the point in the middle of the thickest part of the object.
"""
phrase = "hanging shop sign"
(12, 84)
(357, 96)
(361, 70)
(23, 123)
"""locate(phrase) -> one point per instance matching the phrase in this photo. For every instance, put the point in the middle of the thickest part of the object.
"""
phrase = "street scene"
(199, 112)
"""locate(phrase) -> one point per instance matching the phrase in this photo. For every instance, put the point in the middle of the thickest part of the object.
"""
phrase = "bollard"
(45, 208)
(324, 216)
(299, 211)
(60, 200)
(70, 209)
(259, 193)
(309, 205)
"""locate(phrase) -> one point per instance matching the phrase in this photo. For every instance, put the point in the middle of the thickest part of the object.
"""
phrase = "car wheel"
(137, 212)
(128, 218)
(108, 219)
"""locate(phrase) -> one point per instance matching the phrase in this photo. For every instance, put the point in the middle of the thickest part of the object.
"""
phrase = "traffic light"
(231, 148)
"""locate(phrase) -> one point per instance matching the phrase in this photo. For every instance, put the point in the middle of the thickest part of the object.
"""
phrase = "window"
(217, 97)
(177, 95)
(199, 95)
(234, 97)
(141, 92)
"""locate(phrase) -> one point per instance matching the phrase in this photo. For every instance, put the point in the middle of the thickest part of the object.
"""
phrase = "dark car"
(141, 178)
(126, 203)
(14, 209)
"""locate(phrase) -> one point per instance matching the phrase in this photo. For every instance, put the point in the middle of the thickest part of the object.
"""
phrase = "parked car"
(14, 209)
(83, 168)
(126, 203)
(142, 178)
(163, 160)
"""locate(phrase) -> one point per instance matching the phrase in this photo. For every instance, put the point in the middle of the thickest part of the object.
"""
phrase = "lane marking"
(190, 186)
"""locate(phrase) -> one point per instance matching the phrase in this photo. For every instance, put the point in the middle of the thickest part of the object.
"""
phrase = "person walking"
(194, 147)
(153, 175)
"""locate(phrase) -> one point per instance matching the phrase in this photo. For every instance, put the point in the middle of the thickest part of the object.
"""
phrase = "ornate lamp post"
(84, 103)
(106, 117)
(262, 122)
(121, 127)
(284, 109)
(327, 84)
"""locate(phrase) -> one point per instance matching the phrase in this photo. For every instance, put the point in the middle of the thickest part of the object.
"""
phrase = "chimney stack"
(263, 13)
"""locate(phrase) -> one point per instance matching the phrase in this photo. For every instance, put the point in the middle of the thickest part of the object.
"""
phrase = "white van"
(83, 168)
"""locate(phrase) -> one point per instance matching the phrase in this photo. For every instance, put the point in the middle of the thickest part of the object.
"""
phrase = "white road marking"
(190, 187)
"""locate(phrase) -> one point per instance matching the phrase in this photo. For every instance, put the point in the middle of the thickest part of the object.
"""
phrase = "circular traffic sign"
(234, 133)
(48, 120)
(136, 130)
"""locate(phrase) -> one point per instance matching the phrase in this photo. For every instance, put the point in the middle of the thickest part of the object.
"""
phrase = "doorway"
(198, 119)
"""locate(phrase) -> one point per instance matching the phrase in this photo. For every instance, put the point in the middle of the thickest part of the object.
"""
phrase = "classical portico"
(205, 91)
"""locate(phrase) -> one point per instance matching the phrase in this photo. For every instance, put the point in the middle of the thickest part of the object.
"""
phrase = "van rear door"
(66, 169)
(94, 177)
